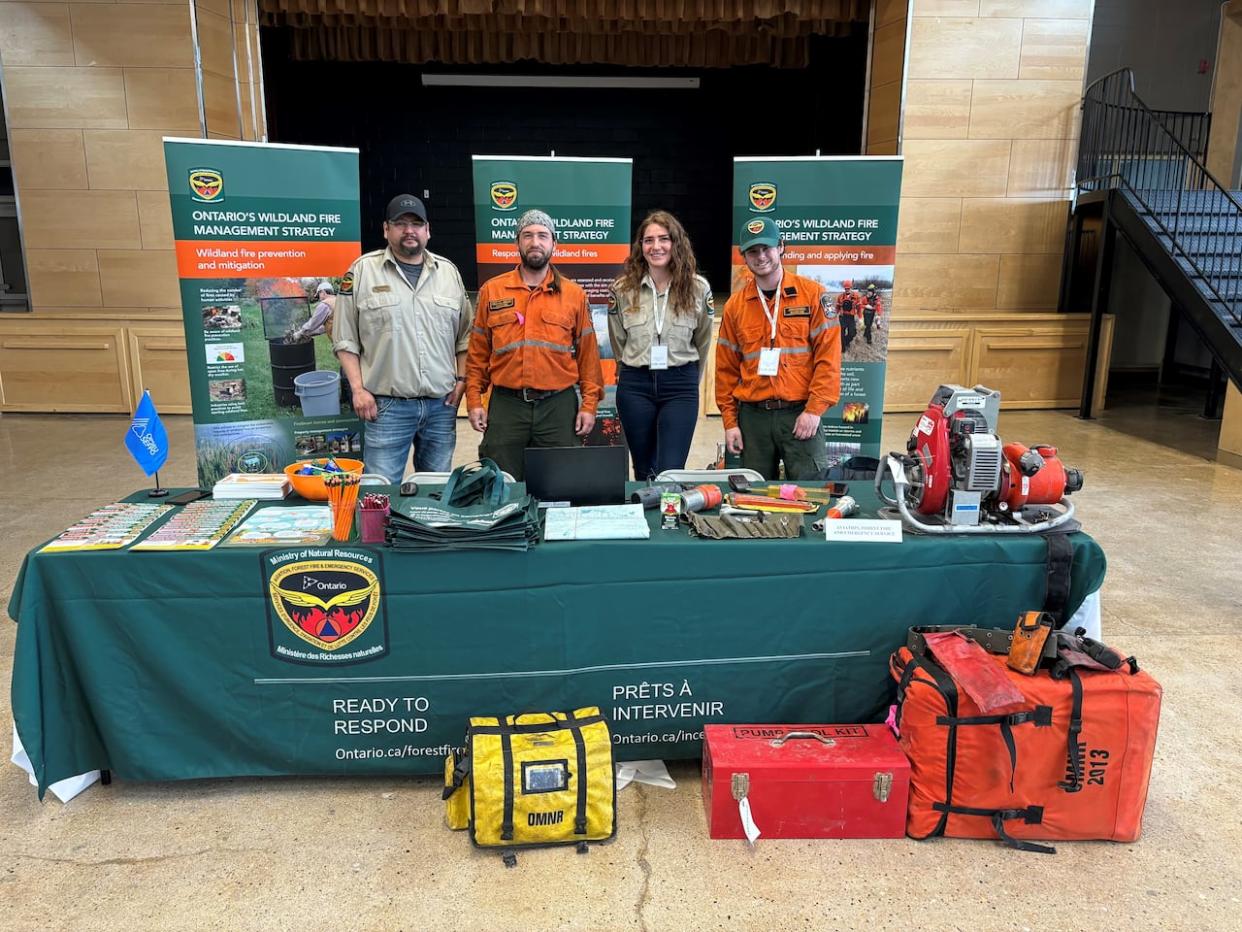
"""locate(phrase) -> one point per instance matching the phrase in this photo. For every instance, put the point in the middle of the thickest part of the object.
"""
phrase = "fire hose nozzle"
(1073, 479)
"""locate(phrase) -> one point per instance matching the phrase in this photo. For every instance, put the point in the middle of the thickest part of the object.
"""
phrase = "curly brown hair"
(683, 289)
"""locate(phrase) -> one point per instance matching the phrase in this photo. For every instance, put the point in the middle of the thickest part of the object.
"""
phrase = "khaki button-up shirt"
(406, 339)
(632, 327)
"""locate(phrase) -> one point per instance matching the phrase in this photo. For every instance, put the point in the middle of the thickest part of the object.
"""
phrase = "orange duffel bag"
(1071, 761)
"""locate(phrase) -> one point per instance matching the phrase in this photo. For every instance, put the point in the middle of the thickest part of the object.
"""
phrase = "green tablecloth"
(163, 666)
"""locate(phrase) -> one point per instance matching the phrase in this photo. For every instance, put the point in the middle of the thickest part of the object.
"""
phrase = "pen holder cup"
(374, 521)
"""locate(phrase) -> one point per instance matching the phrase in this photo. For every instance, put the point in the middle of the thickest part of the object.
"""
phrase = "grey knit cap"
(535, 217)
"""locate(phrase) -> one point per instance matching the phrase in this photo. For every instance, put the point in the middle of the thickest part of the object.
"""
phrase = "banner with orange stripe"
(263, 235)
(836, 220)
(589, 202)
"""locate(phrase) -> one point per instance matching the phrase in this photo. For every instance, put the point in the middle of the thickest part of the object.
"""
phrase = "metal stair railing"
(1156, 157)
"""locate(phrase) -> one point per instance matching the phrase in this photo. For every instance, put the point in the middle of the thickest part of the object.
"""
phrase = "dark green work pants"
(767, 438)
(514, 424)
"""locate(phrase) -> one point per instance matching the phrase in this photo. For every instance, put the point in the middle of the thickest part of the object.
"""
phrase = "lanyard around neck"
(775, 312)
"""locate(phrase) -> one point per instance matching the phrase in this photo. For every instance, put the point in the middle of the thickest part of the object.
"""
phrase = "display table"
(162, 666)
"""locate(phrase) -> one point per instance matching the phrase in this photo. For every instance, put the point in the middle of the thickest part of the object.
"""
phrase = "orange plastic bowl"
(312, 487)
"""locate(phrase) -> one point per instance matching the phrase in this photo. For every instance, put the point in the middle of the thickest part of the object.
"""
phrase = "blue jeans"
(428, 423)
(658, 413)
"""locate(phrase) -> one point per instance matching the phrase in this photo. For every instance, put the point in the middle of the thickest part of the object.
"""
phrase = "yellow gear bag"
(534, 779)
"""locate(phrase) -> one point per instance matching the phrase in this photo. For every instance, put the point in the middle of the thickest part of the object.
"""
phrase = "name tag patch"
(382, 288)
(801, 310)
(500, 304)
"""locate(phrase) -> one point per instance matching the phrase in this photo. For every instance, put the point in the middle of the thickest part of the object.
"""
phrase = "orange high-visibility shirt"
(807, 331)
(538, 338)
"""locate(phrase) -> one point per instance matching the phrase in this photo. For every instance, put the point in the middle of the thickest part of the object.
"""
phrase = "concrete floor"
(372, 853)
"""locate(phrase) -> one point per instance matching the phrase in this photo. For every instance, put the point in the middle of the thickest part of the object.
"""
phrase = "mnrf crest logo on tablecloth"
(325, 605)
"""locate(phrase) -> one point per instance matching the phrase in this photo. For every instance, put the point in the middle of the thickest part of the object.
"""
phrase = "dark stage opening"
(420, 139)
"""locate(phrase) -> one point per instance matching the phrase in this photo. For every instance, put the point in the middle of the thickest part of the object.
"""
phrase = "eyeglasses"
(407, 224)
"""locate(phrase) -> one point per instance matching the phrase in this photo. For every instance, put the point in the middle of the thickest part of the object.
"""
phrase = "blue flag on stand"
(146, 439)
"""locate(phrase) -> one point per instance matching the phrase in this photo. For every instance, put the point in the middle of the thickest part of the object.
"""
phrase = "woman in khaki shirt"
(660, 327)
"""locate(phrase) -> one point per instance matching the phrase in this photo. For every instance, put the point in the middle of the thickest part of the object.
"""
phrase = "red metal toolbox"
(805, 781)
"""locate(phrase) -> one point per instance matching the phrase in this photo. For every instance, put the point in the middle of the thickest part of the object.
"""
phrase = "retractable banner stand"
(258, 229)
(838, 218)
(589, 200)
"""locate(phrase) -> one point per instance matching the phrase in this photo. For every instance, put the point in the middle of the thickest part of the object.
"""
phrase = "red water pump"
(958, 477)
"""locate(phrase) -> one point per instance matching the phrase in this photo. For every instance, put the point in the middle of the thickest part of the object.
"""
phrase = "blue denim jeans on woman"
(658, 412)
(428, 423)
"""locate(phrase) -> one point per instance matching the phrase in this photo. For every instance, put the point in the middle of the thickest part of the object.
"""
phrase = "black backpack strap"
(461, 770)
(580, 820)
(1073, 751)
(506, 753)
(1031, 815)
(1059, 569)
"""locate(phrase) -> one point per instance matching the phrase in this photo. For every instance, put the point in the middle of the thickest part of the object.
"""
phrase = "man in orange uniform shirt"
(532, 341)
(778, 362)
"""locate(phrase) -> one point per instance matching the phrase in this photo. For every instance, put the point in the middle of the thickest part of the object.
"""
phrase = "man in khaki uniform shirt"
(401, 329)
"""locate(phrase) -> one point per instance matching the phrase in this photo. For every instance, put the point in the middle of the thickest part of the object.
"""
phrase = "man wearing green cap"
(778, 362)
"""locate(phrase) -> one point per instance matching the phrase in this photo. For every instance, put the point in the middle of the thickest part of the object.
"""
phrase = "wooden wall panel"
(1046, 9)
(35, 34)
(955, 167)
(928, 224)
(1054, 49)
(158, 363)
(215, 38)
(938, 109)
(952, 47)
(155, 220)
(126, 159)
(1008, 225)
(1034, 359)
(1024, 109)
(162, 98)
(92, 219)
(888, 52)
(913, 354)
(58, 367)
(992, 114)
(64, 277)
(69, 98)
(1041, 168)
(139, 35)
(946, 282)
(130, 277)
(947, 7)
(1029, 281)
(883, 115)
(1032, 364)
(48, 158)
(92, 87)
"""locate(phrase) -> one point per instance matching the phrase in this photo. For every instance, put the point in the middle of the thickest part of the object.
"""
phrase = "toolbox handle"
(826, 742)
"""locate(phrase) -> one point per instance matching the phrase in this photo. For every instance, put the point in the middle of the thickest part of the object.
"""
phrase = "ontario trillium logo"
(206, 185)
(504, 195)
(762, 197)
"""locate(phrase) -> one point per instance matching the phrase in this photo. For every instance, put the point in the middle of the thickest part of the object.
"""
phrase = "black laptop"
(578, 475)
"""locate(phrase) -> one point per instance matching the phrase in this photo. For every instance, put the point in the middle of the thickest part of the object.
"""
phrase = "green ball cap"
(759, 231)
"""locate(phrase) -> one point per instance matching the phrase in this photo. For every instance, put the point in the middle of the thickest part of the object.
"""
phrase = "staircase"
(1141, 171)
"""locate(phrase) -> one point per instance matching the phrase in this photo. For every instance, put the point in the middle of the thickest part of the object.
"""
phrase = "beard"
(408, 252)
(534, 259)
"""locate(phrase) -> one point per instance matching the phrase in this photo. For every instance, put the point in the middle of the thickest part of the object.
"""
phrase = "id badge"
(769, 360)
(659, 356)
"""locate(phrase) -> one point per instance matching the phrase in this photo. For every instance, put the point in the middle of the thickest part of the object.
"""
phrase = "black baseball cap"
(405, 204)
